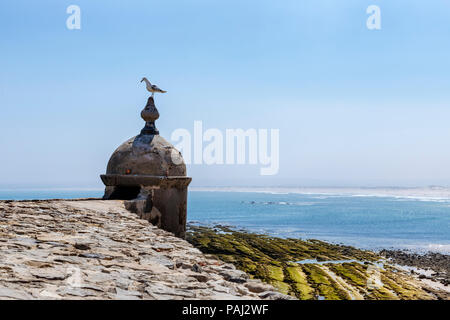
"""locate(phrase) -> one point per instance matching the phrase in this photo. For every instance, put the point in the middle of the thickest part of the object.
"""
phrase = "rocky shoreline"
(315, 269)
(432, 266)
(95, 249)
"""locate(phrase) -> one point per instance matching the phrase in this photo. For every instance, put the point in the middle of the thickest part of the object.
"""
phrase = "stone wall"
(96, 249)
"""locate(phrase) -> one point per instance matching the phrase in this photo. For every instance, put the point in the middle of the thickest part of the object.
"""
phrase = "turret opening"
(125, 193)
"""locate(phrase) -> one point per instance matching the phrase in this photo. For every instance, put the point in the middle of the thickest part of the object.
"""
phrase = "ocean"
(368, 218)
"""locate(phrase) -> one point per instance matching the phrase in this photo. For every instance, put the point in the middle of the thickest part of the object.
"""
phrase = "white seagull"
(152, 87)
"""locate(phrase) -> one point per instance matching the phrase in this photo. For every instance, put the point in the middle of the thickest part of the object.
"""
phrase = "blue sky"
(354, 106)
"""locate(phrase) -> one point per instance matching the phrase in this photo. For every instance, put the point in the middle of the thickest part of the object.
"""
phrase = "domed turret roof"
(149, 155)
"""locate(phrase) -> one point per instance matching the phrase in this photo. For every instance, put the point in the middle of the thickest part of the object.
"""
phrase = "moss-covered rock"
(333, 272)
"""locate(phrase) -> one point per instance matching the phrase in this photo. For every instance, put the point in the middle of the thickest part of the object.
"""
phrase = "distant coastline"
(432, 193)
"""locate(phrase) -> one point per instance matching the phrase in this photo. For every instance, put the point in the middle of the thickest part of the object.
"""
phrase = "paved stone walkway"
(94, 249)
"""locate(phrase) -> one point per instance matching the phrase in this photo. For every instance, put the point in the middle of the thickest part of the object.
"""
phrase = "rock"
(235, 276)
(161, 289)
(49, 294)
(77, 292)
(257, 287)
(38, 264)
(92, 255)
(127, 295)
(196, 268)
(200, 277)
(229, 266)
(158, 259)
(81, 246)
(223, 296)
(162, 247)
(272, 295)
(183, 265)
(218, 287)
(49, 273)
(13, 294)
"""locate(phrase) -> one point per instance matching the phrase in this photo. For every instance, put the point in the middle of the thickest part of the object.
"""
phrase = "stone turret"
(150, 174)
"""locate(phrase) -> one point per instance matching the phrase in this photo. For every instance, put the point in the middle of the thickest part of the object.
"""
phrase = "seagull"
(152, 87)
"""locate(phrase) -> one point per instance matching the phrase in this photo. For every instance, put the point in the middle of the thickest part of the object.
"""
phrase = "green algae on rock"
(310, 269)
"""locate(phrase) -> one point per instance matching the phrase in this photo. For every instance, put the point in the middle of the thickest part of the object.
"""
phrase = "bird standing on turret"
(152, 87)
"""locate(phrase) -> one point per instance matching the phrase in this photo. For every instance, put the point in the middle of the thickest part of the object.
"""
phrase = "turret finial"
(150, 114)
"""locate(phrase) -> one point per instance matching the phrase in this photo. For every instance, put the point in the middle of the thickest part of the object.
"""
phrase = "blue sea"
(364, 221)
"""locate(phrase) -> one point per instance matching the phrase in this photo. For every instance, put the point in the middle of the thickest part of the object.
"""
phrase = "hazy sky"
(354, 106)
